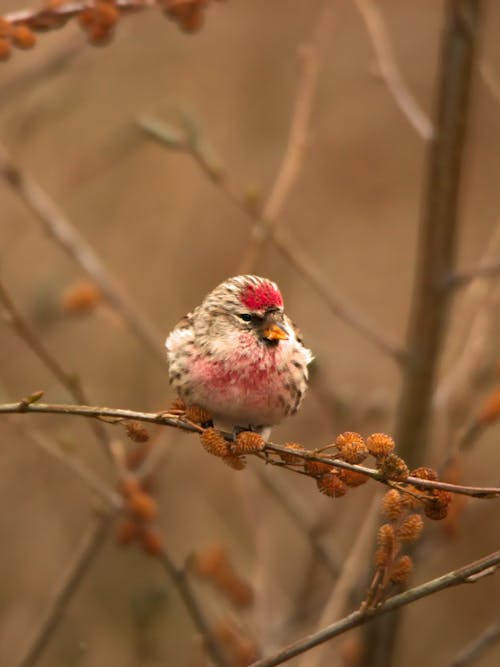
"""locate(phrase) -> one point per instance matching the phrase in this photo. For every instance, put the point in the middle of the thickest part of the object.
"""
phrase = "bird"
(239, 357)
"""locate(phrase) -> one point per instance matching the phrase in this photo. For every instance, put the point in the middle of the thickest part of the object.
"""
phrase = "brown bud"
(411, 529)
(490, 410)
(354, 452)
(393, 467)
(424, 473)
(331, 485)
(151, 540)
(385, 536)
(352, 477)
(316, 468)
(5, 49)
(127, 531)
(142, 506)
(198, 415)
(292, 459)
(23, 37)
(392, 505)
(347, 438)
(5, 27)
(436, 508)
(402, 570)
(136, 431)
(81, 297)
(380, 444)
(214, 443)
(248, 443)
(234, 462)
(209, 560)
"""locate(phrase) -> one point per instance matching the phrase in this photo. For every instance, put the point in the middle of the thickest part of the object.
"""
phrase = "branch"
(473, 651)
(118, 415)
(389, 70)
(436, 257)
(485, 270)
(438, 229)
(183, 587)
(282, 241)
(60, 229)
(69, 380)
(467, 574)
(309, 61)
(90, 546)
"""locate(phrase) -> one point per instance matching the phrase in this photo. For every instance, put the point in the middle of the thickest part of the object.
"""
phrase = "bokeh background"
(168, 235)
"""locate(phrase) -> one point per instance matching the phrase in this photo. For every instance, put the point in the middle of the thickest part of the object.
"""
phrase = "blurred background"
(168, 235)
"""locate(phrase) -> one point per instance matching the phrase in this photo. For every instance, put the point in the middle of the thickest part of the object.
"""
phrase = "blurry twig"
(86, 474)
(60, 229)
(484, 270)
(295, 512)
(347, 582)
(309, 60)
(281, 240)
(90, 545)
(462, 575)
(118, 415)
(389, 70)
(181, 582)
(490, 79)
(69, 380)
(475, 650)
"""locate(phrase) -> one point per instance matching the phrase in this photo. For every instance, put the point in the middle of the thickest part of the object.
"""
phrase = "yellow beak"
(275, 332)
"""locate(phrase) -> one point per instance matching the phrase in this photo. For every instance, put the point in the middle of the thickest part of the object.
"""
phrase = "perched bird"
(239, 357)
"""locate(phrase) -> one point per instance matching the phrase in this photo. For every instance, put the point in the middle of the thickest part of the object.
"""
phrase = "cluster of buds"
(136, 526)
(98, 18)
(19, 36)
(214, 565)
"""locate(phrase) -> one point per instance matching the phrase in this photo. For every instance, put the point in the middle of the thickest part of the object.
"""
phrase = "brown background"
(169, 235)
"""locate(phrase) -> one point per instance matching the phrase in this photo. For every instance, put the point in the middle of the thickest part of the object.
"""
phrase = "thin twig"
(90, 545)
(69, 380)
(181, 582)
(118, 415)
(389, 69)
(295, 512)
(60, 229)
(293, 156)
(487, 270)
(282, 241)
(476, 648)
(87, 475)
(490, 79)
(454, 578)
(347, 581)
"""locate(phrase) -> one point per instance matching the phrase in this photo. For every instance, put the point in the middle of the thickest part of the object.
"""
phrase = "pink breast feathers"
(261, 296)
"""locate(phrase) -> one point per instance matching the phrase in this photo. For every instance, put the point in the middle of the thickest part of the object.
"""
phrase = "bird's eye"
(246, 317)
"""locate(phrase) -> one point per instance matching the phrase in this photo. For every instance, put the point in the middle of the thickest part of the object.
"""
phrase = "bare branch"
(60, 229)
(389, 69)
(90, 545)
(475, 650)
(453, 578)
(485, 270)
(283, 242)
(309, 61)
(348, 579)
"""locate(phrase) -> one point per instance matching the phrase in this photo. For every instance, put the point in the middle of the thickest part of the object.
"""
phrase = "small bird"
(238, 356)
